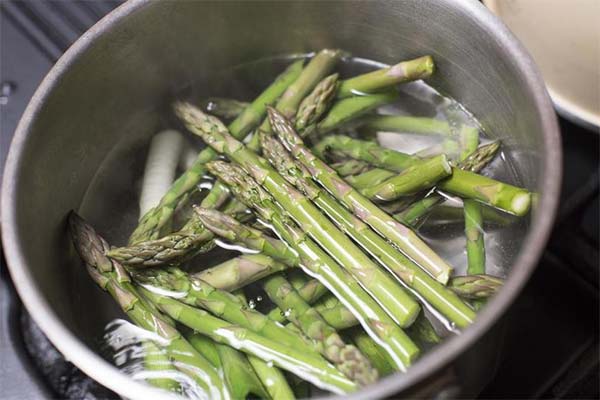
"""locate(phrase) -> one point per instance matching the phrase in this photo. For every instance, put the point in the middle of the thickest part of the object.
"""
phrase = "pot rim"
(108, 375)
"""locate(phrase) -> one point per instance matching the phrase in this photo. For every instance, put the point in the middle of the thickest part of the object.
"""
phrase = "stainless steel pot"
(100, 98)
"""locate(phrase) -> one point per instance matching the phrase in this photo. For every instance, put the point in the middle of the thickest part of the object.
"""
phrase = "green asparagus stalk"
(385, 289)
(190, 240)
(195, 292)
(469, 185)
(422, 331)
(223, 225)
(314, 105)
(346, 110)
(474, 163)
(239, 374)
(419, 68)
(349, 167)
(476, 286)
(240, 271)
(365, 210)
(316, 262)
(474, 234)
(372, 351)
(406, 124)
(345, 357)
(469, 140)
(449, 214)
(363, 150)
(293, 359)
(369, 178)
(157, 359)
(388, 256)
(318, 67)
(414, 179)
(272, 378)
(224, 107)
(310, 290)
(335, 314)
(205, 346)
(152, 222)
(112, 277)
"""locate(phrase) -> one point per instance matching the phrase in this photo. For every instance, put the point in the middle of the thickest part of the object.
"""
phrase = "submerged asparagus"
(346, 357)
(239, 374)
(388, 256)
(151, 223)
(112, 277)
(377, 283)
(406, 124)
(240, 271)
(316, 262)
(365, 210)
(370, 152)
(293, 359)
(224, 107)
(475, 287)
(198, 293)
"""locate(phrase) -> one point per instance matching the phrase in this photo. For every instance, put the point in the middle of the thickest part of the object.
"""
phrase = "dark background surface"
(551, 347)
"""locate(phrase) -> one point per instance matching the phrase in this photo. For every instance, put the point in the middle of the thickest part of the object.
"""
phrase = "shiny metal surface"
(99, 102)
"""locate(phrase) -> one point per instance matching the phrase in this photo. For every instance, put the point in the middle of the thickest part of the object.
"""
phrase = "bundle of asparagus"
(347, 281)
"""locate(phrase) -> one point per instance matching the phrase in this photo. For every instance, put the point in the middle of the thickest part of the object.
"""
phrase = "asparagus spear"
(475, 287)
(224, 107)
(364, 209)
(414, 179)
(318, 67)
(205, 346)
(349, 167)
(272, 378)
(475, 162)
(370, 152)
(190, 240)
(345, 357)
(372, 351)
(239, 374)
(293, 359)
(240, 271)
(469, 185)
(335, 314)
(388, 256)
(419, 68)
(152, 222)
(422, 331)
(111, 276)
(195, 292)
(310, 291)
(346, 110)
(314, 105)
(406, 124)
(316, 262)
(369, 178)
(474, 234)
(157, 359)
(383, 287)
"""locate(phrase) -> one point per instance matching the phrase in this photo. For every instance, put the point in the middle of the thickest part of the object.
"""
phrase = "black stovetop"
(551, 345)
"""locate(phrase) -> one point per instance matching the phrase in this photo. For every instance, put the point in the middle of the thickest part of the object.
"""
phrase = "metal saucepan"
(98, 104)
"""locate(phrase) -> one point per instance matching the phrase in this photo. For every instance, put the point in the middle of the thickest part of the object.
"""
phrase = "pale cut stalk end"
(520, 203)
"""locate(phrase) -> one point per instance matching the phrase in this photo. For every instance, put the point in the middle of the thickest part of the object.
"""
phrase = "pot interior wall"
(104, 107)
